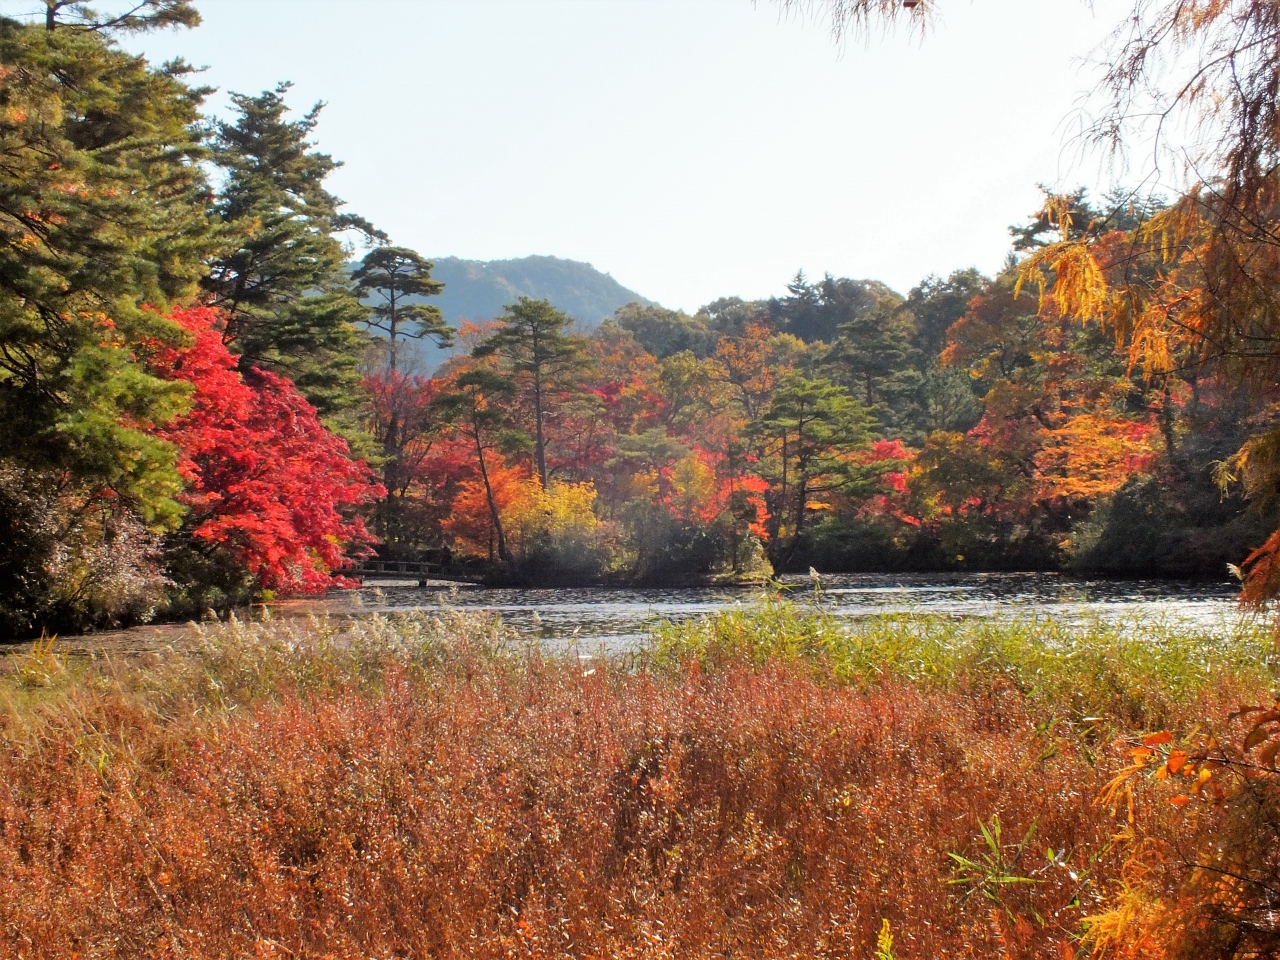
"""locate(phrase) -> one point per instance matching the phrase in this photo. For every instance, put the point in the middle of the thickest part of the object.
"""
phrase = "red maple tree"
(266, 480)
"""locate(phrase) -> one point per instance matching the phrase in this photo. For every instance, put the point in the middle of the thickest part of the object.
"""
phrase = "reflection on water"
(619, 618)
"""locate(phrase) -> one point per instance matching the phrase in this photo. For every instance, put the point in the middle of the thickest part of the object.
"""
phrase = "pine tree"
(135, 17)
(936, 304)
(283, 281)
(532, 343)
(102, 214)
(810, 430)
(875, 356)
(395, 276)
(392, 277)
(102, 222)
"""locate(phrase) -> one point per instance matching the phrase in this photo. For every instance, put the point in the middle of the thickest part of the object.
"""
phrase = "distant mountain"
(481, 289)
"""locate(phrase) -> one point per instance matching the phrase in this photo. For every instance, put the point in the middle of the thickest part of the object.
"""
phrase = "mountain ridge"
(478, 290)
(481, 289)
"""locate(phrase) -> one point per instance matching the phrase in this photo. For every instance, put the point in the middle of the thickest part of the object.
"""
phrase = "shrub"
(429, 786)
(71, 557)
(555, 533)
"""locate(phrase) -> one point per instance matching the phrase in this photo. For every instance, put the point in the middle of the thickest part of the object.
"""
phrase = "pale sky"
(691, 148)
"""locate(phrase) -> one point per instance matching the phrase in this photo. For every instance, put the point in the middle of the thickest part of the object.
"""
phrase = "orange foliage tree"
(481, 504)
(1188, 298)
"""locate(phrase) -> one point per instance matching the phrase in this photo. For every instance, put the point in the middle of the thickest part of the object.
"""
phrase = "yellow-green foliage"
(1133, 670)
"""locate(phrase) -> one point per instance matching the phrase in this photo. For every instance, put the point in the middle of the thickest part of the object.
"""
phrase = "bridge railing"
(422, 570)
(398, 566)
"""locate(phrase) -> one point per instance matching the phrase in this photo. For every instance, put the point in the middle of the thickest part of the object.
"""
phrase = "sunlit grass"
(770, 781)
(1135, 669)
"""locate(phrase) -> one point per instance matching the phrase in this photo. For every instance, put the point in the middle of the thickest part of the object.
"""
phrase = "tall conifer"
(283, 280)
(534, 347)
(103, 222)
(396, 279)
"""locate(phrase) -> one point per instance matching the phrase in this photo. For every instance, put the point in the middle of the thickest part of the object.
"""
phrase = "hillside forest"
(209, 393)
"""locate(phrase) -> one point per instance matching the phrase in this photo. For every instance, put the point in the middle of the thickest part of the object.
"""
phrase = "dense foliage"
(111, 390)
(266, 483)
(189, 354)
(966, 425)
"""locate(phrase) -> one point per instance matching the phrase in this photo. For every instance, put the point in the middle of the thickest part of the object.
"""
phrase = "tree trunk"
(540, 446)
(802, 494)
(1167, 423)
(503, 553)
(391, 330)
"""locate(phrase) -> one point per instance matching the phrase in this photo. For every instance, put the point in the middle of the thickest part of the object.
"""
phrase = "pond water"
(619, 619)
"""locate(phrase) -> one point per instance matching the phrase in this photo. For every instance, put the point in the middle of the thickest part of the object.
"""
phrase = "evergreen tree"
(810, 430)
(801, 313)
(283, 281)
(394, 276)
(815, 312)
(874, 355)
(936, 304)
(103, 220)
(102, 214)
(532, 344)
(135, 17)
(391, 276)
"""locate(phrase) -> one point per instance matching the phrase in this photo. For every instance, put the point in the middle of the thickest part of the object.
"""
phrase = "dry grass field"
(762, 785)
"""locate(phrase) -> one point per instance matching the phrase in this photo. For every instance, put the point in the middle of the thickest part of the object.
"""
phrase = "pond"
(621, 618)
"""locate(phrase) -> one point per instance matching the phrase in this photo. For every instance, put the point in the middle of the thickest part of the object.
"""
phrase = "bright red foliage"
(889, 502)
(266, 480)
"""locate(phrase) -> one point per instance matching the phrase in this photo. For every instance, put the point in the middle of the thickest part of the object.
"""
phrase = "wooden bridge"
(420, 570)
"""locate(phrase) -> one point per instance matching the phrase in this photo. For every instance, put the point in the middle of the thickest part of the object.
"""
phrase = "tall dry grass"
(430, 787)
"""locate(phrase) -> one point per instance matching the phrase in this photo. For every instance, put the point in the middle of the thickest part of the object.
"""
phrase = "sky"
(693, 149)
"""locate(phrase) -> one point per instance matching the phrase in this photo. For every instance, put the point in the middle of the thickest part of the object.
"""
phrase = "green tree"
(873, 347)
(730, 316)
(682, 385)
(542, 358)
(103, 219)
(810, 430)
(101, 210)
(936, 304)
(816, 312)
(283, 280)
(394, 277)
(665, 332)
(135, 17)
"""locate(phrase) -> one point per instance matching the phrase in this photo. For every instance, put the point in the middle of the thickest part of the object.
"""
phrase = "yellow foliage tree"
(557, 526)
